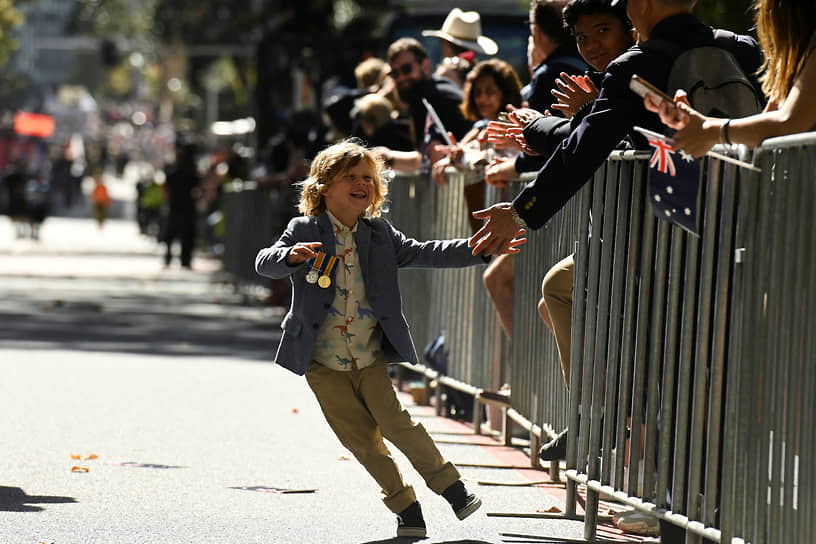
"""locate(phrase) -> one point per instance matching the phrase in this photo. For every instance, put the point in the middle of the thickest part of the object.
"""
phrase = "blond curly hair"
(330, 164)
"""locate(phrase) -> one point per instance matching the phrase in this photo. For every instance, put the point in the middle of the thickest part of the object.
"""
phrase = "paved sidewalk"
(159, 382)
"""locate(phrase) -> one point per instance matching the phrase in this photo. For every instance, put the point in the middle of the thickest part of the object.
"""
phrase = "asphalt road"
(159, 381)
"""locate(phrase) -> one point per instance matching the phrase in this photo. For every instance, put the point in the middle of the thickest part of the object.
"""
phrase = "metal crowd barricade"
(692, 357)
(648, 348)
(250, 224)
(452, 302)
(769, 474)
(695, 355)
(456, 302)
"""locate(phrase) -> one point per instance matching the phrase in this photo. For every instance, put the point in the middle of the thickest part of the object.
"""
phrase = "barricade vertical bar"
(761, 380)
(635, 250)
(670, 349)
(595, 422)
(789, 353)
(777, 343)
(703, 339)
(641, 341)
(804, 457)
(621, 240)
(579, 310)
(655, 369)
(590, 330)
(807, 457)
(685, 364)
(720, 330)
(735, 468)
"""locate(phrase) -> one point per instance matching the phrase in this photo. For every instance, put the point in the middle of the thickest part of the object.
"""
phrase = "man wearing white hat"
(462, 31)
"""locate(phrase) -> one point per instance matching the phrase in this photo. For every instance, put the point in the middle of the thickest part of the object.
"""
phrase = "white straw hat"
(464, 28)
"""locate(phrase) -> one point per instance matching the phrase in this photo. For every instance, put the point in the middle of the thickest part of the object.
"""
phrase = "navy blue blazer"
(382, 250)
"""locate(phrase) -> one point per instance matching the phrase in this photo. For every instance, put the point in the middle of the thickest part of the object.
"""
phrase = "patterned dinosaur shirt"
(350, 333)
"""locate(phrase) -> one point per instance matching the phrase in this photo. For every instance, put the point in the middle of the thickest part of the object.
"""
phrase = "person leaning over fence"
(613, 115)
(787, 34)
(346, 323)
(603, 32)
(551, 42)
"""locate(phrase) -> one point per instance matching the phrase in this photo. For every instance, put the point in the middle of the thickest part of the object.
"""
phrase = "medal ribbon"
(319, 262)
(330, 266)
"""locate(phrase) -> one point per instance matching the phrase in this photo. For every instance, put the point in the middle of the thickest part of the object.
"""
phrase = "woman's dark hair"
(506, 80)
(578, 8)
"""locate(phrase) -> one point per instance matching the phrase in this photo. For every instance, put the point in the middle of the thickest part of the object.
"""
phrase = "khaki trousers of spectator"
(557, 292)
(362, 408)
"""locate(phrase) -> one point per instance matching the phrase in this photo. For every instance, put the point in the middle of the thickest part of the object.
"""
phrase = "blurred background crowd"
(148, 110)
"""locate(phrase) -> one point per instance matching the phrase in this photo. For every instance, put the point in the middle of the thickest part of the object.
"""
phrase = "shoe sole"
(411, 531)
(469, 509)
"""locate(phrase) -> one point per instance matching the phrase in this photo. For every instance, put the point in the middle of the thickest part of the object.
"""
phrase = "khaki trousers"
(362, 408)
(557, 292)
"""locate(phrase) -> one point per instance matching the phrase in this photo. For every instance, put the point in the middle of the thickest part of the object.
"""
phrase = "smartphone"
(642, 87)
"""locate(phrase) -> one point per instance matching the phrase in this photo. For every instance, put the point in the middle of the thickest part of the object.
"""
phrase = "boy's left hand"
(302, 252)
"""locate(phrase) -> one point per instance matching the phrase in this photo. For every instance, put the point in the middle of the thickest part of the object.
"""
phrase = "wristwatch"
(517, 218)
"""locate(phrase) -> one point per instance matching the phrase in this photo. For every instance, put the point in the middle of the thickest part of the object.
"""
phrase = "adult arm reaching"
(698, 133)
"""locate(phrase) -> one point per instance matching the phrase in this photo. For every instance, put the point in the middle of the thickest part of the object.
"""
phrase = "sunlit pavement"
(158, 382)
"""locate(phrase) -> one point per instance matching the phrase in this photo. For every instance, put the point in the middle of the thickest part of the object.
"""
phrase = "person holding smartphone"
(787, 32)
(611, 118)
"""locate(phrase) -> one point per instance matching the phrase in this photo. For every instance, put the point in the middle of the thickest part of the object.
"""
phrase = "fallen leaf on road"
(84, 458)
(551, 510)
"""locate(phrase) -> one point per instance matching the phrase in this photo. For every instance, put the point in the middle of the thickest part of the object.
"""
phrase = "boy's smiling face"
(601, 37)
(351, 192)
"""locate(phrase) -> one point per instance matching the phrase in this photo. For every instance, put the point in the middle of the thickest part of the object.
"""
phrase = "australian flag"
(674, 183)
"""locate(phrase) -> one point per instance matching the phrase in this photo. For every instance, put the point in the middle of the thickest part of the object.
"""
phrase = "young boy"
(346, 324)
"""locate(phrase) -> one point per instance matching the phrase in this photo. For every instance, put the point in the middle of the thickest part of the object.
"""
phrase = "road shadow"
(144, 324)
(14, 499)
(407, 540)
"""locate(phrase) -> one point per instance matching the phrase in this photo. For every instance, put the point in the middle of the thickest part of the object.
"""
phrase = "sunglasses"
(405, 69)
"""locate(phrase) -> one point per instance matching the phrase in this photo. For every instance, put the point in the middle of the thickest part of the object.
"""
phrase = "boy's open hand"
(302, 252)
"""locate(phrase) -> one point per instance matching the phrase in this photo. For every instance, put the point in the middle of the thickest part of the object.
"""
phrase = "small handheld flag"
(674, 183)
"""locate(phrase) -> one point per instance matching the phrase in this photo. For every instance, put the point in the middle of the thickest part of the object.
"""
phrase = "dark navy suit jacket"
(613, 115)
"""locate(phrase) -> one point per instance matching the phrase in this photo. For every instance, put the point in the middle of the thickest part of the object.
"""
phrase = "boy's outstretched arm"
(284, 256)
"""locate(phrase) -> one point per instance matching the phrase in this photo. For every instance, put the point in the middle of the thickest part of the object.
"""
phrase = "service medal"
(325, 279)
(313, 274)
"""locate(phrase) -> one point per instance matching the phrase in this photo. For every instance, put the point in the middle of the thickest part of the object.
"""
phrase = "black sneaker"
(462, 502)
(555, 448)
(410, 521)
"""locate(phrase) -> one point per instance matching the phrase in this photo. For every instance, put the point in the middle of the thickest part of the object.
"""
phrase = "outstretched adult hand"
(500, 235)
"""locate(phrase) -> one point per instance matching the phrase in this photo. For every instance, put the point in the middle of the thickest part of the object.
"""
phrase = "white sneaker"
(635, 521)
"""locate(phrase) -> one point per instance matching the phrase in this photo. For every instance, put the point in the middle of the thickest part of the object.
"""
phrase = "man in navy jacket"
(612, 117)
